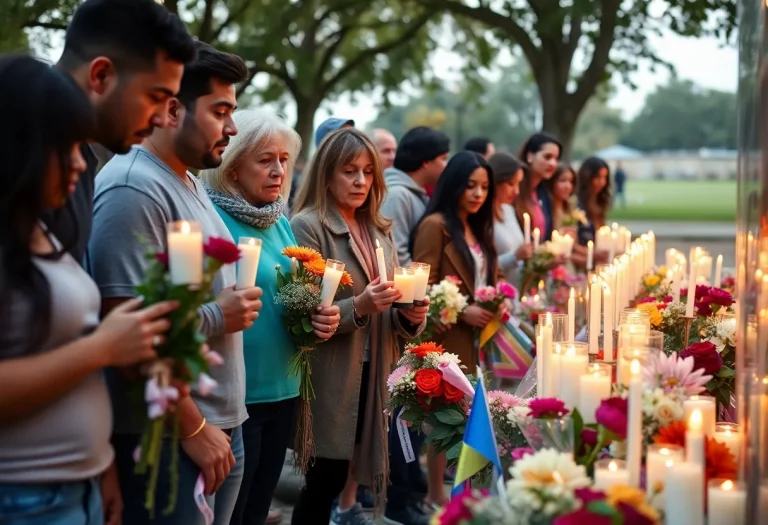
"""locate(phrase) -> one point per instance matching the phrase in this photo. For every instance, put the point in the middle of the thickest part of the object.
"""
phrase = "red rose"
(704, 356)
(222, 250)
(720, 297)
(451, 394)
(162, 257)
(429, 382)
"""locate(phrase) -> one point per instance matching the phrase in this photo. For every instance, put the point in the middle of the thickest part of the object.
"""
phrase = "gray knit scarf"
(261, 217)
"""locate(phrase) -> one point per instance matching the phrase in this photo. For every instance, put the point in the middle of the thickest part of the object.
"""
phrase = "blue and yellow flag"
(479, 445)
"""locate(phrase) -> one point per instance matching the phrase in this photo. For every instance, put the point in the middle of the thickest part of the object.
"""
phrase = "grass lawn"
(652, 200)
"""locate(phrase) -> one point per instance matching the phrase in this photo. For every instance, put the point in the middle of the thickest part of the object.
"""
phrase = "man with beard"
(136, 196)
(128, 57)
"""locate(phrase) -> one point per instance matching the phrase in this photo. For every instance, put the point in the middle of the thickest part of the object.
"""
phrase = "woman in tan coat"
(455, 238)
(337, 212)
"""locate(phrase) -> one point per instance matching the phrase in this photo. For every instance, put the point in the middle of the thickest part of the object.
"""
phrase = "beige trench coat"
(338, 363)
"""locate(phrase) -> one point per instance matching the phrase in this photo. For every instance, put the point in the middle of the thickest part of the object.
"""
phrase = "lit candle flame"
(572, 293)
(664, 452)
(378, 245)
(612, 466)
(696, 420)
(635, 367)
(727, 485)
(251, 241)
(185, 229)
(571, 351)
(548, 319)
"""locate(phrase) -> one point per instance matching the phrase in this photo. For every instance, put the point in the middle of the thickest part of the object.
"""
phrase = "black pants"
(405, 478)
(266, 436)
(325, 478)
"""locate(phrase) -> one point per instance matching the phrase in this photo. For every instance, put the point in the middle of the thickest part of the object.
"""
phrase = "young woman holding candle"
(594, 191)
(507, 232)
(561, 187)
(455, 238)
(337, 212)
(55, 414)
(247, 191)
(541, 152)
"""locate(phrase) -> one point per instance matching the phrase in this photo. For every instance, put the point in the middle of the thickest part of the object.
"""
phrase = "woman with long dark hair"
(594, 190)
(541, 152)
(55, 415)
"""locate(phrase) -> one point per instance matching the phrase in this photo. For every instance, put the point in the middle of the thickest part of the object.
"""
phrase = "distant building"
(711, 164)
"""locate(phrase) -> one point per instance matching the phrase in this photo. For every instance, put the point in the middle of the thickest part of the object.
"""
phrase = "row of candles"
(559, 245)
(185, 262)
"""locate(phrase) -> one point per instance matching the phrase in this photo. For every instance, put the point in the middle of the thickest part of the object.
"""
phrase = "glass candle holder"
(334, 270)
(185, 252)
(248, 265)
(656, 340)
(726, 502)
(658, 459)
(420, 282)
(404, 283)
(641, 355)
(569, 360)
(610, 472)
(730, 435)
(594, 386)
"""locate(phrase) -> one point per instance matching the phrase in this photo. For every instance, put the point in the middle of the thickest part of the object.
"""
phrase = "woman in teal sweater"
(247, 190)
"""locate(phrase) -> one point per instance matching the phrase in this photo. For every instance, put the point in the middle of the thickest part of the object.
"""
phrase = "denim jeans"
(404, 478)
(74, 503)
(186, 513)
(266, 434)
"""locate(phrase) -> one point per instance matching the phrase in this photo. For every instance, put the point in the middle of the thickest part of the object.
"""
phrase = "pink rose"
(547, 408)
(521, 452)
(507, 290)
(559, 273)
(612, 414)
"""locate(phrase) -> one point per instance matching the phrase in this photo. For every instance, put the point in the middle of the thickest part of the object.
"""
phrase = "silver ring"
(156, 341)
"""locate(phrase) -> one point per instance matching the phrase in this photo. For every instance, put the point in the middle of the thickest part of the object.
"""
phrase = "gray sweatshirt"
(405, 204)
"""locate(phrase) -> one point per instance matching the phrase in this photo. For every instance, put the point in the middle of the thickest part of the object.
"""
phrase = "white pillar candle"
(381, 261)
(726, 503)
(704, 271)
(594, 386)
(676, 283)
(595, 296)
(590, 255)
(527, 228)
(404, 283)
(635, 425)
(707, 407)
(248, 265)
(718, 271)
(652, 238)
(670, 256)
(570, 363)
(657, 459)
(185, 252)
(610, 472)
(572, 316)
(684, 494)
(612, 247)
(536, 238)
(547, 349)
(334, 270)
(691, 284)
(420, 282)
(730, 435)
(608, 318)
(694, 439)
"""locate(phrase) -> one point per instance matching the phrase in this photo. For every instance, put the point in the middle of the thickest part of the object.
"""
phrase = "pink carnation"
(551, 407)
(397, 374)
(505, 398)
(485, 294)
(559, 273)
(507, 290)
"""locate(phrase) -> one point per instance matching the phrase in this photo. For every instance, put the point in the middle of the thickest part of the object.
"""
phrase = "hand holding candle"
(248, 265)
(381, 262)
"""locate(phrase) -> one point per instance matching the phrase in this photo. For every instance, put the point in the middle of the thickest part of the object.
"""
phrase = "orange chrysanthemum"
(720, 461)
(423, 349)
(346, 280)
(302, 254)
(316, 267)
(672, 434)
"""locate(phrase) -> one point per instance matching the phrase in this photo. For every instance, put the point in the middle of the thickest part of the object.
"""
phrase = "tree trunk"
(305, 126)
(559, 119)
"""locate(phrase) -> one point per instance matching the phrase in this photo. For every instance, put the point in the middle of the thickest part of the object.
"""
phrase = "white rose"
(667, 411)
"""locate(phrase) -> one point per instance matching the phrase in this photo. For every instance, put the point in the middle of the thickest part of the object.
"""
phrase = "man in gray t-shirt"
(138, 194)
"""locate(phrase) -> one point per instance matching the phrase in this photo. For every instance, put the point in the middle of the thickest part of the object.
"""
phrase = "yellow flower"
(652, 280)
(656, 317)
(633, 497)
(662, 272)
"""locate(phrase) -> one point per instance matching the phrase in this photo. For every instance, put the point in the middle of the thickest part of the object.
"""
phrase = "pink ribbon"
(453, 374)
(201, 502)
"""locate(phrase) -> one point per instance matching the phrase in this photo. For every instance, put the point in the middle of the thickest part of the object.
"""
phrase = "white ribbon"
(201, 502)
(405, 438)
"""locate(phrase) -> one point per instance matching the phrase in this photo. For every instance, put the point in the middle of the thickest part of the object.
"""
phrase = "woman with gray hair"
(248, 190)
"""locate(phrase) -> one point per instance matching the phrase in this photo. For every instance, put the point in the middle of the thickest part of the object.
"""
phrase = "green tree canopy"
(681, 115)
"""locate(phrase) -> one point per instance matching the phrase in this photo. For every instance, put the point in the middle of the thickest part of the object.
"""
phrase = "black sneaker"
(408, 515)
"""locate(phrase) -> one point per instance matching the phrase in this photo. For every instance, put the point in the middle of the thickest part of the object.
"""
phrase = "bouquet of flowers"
(549, 487)
(298, 290)
(537, 267)
(446, 303)
(181, 356)
(720, 331)
(503, 407)
(577, 217)
(431, 391)
(656, 283)
(493, 299)
(561, 282)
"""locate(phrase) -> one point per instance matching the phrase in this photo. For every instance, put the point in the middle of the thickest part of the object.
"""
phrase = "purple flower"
(547, 408)
(158, 398)
(205, 384)
(612, 414)
(521, 452)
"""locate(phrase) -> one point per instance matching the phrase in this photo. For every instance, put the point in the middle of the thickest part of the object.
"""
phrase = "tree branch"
(594, 73)
(371, 52)
(280, 72)
(242, 87)
(206, 24)
(493, 19)
(330, 52)
(574, 35)
(46, 25)
(232, 16)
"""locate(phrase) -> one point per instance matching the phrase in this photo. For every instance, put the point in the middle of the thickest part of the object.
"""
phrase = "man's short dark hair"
(478, 145)
(210, 64)
(129, 32)
(420, 145)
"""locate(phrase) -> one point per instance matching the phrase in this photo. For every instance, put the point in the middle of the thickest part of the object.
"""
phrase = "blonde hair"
(337, 150)
(255, 128)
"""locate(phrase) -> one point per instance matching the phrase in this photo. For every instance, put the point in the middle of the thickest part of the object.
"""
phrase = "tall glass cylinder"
(752, 255)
